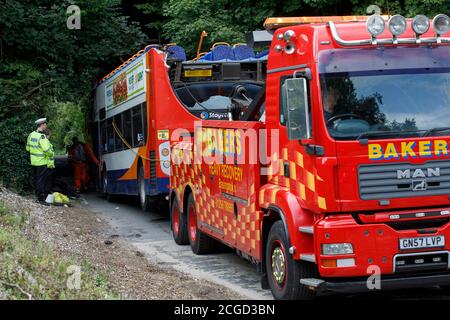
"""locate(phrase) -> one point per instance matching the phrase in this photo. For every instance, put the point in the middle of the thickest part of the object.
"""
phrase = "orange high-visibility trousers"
(80, 175)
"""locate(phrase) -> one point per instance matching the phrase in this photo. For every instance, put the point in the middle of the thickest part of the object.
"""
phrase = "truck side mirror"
(298, 121)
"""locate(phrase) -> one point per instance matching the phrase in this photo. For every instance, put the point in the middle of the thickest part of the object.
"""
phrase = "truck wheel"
(143, 198)
(283, 272)
(200, 242)
(178, 224)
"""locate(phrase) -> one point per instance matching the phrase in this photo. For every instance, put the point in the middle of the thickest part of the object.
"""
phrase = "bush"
(15, 169)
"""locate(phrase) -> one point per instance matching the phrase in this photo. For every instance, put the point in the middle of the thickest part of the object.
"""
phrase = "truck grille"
(422, 261)
(401, 180)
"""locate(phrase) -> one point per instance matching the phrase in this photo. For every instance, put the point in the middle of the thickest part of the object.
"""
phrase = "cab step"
(307, 229)
(311, 282)
(308, 258)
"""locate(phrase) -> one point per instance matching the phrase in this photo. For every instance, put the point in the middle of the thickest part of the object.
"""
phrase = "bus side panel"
(165, 115)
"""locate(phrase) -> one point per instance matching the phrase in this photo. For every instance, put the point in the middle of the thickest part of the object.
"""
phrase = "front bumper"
(386, 283)
(375, 245)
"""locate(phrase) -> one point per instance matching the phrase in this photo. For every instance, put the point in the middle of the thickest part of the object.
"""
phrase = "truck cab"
(364, 133)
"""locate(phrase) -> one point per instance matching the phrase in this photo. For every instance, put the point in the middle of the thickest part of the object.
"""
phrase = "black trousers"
(42, 181)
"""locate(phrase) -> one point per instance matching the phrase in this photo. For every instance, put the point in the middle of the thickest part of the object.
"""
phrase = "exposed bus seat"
(176, 53)
(207, 57)
(222, 52)
(243, 52)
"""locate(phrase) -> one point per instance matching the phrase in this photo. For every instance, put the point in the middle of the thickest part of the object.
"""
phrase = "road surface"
(150, 233)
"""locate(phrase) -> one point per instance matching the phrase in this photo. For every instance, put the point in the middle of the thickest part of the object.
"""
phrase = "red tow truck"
(324, 161)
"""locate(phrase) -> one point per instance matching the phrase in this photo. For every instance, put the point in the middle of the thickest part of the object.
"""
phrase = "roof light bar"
(275, 23)
(420, 24)
(441, 24)
(397, 26)
(375, 25)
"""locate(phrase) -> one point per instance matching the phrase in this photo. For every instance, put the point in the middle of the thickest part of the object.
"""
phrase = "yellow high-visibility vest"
(40, 149)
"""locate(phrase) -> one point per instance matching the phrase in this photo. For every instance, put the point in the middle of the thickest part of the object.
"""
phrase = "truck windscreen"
(386, 93)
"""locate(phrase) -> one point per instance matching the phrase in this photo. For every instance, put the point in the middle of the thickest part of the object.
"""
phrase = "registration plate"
(422, 242)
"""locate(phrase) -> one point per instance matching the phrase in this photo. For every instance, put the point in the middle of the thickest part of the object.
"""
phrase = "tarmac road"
(150, 234)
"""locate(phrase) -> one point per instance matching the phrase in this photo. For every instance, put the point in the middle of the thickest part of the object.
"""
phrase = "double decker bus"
(134, 156)
(138, 106)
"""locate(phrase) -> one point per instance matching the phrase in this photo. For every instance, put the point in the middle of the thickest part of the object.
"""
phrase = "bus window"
(118, 141)
(103, 138)
(144, 120)
(110, 135)
(138, 137)
(127, 129)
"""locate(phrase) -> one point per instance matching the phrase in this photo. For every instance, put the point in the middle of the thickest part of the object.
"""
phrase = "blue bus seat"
(176, 52)
(243, 52)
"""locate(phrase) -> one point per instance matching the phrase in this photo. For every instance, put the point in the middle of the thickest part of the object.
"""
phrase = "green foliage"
(15, 170)
(45, 66)
(22, 88)
(67, 121)
(155, 10)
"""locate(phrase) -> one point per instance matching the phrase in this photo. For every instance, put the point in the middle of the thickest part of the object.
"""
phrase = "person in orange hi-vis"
(79, 156)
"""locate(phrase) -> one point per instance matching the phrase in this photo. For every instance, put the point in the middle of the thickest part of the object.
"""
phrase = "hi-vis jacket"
(40, 149)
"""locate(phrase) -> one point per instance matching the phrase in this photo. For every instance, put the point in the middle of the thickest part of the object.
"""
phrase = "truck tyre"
(200, 242)
(283, 272)
(143, 198)
(178, 224)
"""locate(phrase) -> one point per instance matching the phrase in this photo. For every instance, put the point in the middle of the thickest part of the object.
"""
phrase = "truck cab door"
(292, 166)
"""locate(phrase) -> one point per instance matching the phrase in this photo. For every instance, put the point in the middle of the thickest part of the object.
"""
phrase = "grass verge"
(30, 269)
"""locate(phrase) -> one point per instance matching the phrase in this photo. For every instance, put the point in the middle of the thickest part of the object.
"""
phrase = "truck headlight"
(332, 249)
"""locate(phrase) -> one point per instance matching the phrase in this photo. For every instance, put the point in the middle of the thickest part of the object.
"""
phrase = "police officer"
(42, 159)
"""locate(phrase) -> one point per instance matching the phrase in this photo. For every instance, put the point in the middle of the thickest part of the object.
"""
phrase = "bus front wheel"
(105, 193)
(143, 198)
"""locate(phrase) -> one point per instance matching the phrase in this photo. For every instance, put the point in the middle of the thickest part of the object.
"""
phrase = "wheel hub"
(278, 265)
(192, 223)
